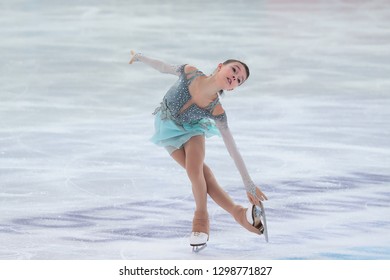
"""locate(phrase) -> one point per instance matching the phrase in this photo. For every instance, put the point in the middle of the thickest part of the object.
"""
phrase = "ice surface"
(79, 179)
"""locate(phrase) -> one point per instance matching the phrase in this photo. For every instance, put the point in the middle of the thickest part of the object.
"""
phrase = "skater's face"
(231, 75)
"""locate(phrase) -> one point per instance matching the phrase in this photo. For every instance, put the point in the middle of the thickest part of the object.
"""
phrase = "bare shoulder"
(218, 110)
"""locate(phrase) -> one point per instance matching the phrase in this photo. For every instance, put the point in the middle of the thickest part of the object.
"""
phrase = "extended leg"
(218, 194)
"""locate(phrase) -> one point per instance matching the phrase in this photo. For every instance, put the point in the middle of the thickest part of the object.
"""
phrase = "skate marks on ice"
(134, 220)
(330, 218)
(340, 217)
(124, 231)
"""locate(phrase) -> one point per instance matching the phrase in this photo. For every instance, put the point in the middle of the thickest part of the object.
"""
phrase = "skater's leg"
(223, 199)
(195, 152)
(218, 194)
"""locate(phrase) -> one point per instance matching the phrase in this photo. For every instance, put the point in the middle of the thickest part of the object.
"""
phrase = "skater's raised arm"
(156, 64)
(253, 192)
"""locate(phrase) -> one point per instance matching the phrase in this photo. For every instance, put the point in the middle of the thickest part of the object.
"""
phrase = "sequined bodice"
(178, 96)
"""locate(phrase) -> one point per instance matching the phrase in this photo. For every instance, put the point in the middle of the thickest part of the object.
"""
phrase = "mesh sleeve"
(159, 65)
(235, 154)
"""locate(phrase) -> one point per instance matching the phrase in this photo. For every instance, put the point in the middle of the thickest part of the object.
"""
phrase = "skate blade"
(198, 248)
(265, 232)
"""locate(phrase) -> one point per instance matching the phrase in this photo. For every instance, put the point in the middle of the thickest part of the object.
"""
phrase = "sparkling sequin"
(178, 95)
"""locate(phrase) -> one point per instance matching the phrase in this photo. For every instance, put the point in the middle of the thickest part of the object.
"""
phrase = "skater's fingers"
(256, 202)
(253, 199)
(261, 195)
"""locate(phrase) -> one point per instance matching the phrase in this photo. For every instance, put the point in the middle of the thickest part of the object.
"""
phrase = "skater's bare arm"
(154, 63)
(253, 192)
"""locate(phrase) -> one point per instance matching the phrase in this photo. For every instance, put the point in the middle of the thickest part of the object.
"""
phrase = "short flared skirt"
(173, 136)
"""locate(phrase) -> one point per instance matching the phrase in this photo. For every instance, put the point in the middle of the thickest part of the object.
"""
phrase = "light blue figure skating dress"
(175, 123)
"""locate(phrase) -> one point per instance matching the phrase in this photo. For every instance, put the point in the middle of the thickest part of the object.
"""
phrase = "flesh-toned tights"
(191, 158)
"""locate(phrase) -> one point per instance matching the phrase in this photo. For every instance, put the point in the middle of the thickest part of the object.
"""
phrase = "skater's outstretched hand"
(254, 198)
(132, 59)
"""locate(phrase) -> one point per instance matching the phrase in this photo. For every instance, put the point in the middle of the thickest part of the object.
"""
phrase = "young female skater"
(189, 112)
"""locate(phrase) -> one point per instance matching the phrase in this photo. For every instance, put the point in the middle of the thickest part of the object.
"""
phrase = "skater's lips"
(229, 81)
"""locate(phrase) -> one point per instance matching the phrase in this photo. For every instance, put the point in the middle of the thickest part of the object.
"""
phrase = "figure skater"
(189, 112)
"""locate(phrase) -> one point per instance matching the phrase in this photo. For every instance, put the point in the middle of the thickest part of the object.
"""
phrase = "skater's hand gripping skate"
(255, 195)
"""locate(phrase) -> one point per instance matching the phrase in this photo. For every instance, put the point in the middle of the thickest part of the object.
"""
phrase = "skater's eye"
(236, 69)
